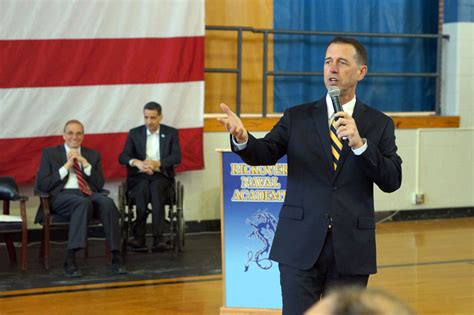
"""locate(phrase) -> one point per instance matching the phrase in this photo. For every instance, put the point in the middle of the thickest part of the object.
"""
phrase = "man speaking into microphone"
(326, 230)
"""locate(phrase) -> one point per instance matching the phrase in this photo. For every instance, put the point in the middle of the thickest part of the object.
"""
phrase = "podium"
(251, 198)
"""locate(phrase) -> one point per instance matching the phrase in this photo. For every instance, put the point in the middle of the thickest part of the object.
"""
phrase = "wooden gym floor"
(428, 264)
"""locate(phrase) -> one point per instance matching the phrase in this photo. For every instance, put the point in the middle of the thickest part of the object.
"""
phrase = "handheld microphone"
(334, 93)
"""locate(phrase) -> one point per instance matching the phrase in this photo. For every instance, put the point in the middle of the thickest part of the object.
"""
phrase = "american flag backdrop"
(100, 62)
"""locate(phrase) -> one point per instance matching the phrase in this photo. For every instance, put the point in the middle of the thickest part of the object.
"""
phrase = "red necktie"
(83, 187)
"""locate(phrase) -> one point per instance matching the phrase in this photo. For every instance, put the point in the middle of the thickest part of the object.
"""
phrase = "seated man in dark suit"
(150, 154)
(72, 175)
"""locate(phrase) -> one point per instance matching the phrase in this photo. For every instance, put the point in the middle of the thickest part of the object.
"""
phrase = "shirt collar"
(148, 132)
(347, 107)
(69, 149)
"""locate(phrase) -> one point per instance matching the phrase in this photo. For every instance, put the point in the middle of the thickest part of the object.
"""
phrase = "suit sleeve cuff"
(63, 172)
(87, 170)
(239, 146)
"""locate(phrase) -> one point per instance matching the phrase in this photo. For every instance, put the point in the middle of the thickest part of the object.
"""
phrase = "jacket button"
(334, 188)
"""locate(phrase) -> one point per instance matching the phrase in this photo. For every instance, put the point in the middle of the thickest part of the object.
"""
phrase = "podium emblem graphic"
(263, 225)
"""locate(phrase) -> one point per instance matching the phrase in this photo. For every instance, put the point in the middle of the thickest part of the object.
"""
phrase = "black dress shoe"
(119, 269)
(71, 270)
(159, 247)
(137, 245)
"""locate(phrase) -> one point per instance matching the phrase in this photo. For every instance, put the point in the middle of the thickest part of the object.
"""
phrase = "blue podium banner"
(252, 198)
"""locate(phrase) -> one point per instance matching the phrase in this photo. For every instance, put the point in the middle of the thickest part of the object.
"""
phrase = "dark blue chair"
(12, 224)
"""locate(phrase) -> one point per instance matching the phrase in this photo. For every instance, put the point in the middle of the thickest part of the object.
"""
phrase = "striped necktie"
(83, 187)
(336, 144)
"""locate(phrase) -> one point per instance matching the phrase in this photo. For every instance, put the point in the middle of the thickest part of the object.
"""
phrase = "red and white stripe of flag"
(99, 62)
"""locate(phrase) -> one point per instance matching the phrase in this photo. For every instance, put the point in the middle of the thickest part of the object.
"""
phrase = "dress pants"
(150, 189)
(72, 204)
(302, 288)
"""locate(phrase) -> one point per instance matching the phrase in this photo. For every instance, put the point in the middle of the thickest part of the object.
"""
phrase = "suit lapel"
(61, 159)
(61, 155)
(162, 141)
(320, 117)
(345, 152)
(85, 154)
(142, 144)
(360, 117)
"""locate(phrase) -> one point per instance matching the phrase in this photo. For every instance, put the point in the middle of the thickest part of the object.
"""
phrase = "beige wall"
(458, 72)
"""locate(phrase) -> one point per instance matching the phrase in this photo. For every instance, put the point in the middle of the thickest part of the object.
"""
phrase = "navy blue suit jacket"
(316, 193)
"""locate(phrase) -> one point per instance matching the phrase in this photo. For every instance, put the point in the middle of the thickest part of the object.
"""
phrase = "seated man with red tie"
(72, 175)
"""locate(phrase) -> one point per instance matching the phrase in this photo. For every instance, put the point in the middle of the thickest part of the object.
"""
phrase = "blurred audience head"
(359, 301)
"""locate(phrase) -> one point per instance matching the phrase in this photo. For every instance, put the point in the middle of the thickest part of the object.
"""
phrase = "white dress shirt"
(153, 145)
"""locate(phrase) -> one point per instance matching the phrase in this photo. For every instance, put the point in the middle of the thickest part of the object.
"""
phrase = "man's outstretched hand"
(233, 124)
